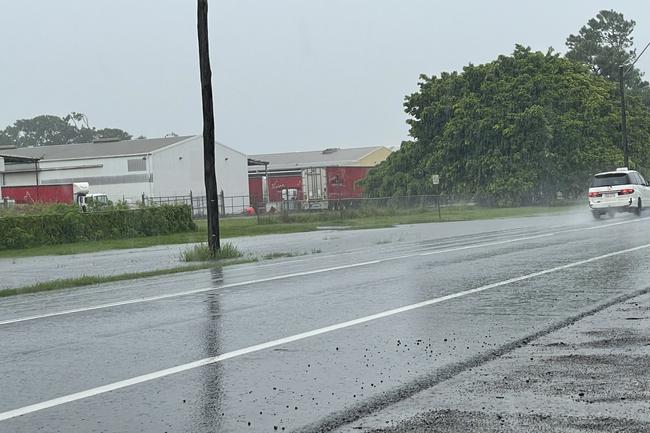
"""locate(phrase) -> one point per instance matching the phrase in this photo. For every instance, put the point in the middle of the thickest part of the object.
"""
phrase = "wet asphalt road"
(530, 274)
(19, 272)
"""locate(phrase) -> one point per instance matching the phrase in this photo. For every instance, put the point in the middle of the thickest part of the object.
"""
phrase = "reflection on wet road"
(329, 344)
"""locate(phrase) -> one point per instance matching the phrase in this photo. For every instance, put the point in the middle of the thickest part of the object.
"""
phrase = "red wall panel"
(341, 182)
(277, 184)
(41, 193)
(255, 190)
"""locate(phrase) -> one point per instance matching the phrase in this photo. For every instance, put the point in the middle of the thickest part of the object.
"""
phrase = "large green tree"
(116, 133)
(514, 131)
(605, 43)
(46, 130)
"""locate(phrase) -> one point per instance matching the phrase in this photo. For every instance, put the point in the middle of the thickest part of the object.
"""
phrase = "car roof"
(615, 172)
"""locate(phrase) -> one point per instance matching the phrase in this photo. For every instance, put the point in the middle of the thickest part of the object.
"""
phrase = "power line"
(621, 75)
(637, 58)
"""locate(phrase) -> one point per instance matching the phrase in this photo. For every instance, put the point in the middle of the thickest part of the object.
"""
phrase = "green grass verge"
(89, 280)
(272, 256)
(202, 253)
(248, 226)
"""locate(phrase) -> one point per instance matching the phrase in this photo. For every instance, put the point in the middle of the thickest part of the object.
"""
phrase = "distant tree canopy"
(48, 130)
(510, 132)
(604, 44)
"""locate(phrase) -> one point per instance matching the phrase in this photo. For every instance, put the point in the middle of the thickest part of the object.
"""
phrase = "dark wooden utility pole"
(621, 84)
(211, 193)
(626, 151)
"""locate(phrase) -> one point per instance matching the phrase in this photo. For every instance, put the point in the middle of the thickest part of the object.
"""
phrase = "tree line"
(526, 126)
(47, 130)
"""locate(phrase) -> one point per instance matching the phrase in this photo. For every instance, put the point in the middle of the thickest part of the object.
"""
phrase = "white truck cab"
(84, 198)
(79, 192)
(100, 199)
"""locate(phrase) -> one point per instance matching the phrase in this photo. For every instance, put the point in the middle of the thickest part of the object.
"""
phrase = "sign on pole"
(435, 178)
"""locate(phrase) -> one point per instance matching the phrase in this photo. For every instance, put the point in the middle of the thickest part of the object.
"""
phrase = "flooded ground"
(318, 342)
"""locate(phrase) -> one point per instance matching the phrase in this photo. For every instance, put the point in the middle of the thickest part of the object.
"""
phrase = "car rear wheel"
(639, 207)
(596, 214)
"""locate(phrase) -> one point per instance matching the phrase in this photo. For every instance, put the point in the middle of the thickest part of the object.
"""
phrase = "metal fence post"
(223, 203)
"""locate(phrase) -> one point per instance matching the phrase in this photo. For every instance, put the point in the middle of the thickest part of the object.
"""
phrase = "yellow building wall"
(375, 157)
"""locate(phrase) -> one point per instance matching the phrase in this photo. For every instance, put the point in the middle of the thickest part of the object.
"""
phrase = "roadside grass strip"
(89, 280)
(293, 338)
(202, 253)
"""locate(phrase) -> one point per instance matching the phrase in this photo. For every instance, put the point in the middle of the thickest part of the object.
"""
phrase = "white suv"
(622, 190)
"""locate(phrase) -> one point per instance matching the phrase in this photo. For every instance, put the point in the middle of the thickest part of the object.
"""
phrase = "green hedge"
(22, 231)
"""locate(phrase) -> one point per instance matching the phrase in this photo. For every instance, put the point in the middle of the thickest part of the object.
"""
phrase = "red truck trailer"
(60, 193)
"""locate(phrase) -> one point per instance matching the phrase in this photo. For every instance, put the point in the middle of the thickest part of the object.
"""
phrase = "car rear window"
(610, 179)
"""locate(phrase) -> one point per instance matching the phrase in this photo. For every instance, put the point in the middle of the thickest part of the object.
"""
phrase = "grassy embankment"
(249, 226)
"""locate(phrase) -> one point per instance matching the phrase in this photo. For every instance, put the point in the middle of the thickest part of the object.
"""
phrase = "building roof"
(317, 158)
(16, 159)
(100, 149)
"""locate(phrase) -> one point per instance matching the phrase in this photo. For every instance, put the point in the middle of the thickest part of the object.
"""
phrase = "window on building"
(137, 164)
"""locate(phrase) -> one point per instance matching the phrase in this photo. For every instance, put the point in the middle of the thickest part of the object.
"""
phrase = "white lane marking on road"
(261, 280)
(617, 224)
(508, 241)
(297, 274)
(191, 292)
(400, 246)
(604, 226)
(410, 245)
(186, 293)
(282, 341)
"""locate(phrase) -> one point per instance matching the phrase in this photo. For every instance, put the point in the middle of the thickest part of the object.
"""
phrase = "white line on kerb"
(262, 280)
(274, 343)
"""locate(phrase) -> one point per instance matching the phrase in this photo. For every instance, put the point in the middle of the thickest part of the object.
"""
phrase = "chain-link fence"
(228, 205)
(244, 205)
(295, 210)
(395, 202)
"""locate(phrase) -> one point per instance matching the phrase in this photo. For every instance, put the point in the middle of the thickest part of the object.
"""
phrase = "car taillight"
(626, 191)
(595, 194)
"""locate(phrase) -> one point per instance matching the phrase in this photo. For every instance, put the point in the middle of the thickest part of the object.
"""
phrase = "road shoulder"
(590, 376)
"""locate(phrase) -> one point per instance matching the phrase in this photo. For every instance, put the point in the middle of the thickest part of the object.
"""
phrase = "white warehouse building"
(129, 169)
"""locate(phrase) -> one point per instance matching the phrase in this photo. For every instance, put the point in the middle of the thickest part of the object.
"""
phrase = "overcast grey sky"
(288, 74)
